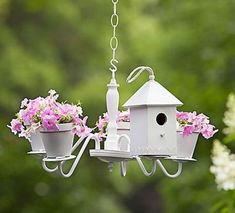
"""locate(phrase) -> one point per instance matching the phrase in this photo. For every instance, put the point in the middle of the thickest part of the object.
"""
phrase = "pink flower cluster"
(47, 113)
(102, 123)
(191, 122)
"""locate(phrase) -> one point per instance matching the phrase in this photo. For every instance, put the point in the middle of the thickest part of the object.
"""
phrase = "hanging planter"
(190, 125)
(186, 144)
(123, 124)
(26, 124)
(58, 143)
(36, 143)
(53, 123)
(123, 128)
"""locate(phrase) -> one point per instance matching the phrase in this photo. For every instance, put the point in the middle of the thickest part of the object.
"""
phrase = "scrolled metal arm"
(146, 173)
(77, 159)
(77, 143)
(179, 170)
(45, 167)
(123, 168)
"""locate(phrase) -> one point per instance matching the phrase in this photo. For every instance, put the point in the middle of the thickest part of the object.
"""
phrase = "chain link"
(114, 40)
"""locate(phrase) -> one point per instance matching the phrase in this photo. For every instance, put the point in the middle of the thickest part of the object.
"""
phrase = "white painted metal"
(137, 71)
(110, 156)
(181, 160)
(112, 97)
(123, 168)
(79, 141)
(58, 159)
(47, 169)
(146, 173)
(39, 153)
(36, 142)
(58, 143)
(112, 100)
(123, 128)
(179, 170)
(78, 157)
(152, 93)
(186, 144)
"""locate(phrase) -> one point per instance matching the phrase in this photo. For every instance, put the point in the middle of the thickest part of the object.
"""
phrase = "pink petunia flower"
(47, 113)
(103, 121)
(16, 126)
(81, 129)
(188, 130)
(208, 131)
(182, 115)
(191, 122)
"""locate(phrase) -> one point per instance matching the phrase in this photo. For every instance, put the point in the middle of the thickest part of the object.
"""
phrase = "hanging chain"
(114, 40)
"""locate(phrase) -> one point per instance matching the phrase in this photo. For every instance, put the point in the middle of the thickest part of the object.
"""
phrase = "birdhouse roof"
(152, 94)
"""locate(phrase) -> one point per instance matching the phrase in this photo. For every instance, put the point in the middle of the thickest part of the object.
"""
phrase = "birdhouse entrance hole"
(161, 119)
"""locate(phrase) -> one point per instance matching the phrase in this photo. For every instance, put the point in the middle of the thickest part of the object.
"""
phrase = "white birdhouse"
(152, 119)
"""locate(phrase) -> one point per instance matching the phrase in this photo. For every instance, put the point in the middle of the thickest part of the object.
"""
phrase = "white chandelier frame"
(113, 152)
(108, 157)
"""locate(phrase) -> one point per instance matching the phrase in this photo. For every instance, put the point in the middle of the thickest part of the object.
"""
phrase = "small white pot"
(36, 142)
(123, 128)
(58, 143)
(186, 144)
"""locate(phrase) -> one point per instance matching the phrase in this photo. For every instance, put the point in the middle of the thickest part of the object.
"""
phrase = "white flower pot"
(58, 143)
(186, 144)
(123, 128)
(36, 142)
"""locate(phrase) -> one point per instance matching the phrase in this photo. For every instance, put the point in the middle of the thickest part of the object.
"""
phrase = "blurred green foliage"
(64, 45)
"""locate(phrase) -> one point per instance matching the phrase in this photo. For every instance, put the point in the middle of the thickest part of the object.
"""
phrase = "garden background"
(64, 45)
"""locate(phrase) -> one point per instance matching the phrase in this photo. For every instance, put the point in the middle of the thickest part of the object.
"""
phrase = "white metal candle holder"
(151, 133)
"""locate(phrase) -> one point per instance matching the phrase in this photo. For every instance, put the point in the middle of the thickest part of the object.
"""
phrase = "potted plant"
(26, 123)
(55, 123)
(123, 123)
(189, 126)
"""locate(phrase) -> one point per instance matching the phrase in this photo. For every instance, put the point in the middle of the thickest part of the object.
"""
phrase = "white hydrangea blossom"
(223, 166)
(229, 115)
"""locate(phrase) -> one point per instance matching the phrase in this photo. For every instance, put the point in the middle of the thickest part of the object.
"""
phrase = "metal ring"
(113, 43)
(114, 20)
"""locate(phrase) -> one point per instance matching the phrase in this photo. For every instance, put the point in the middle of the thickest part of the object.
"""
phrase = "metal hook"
(114, 66)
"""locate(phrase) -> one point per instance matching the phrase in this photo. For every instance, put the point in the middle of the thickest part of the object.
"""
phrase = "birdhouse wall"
(162, 139)
(153, 130)
(138, 129)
